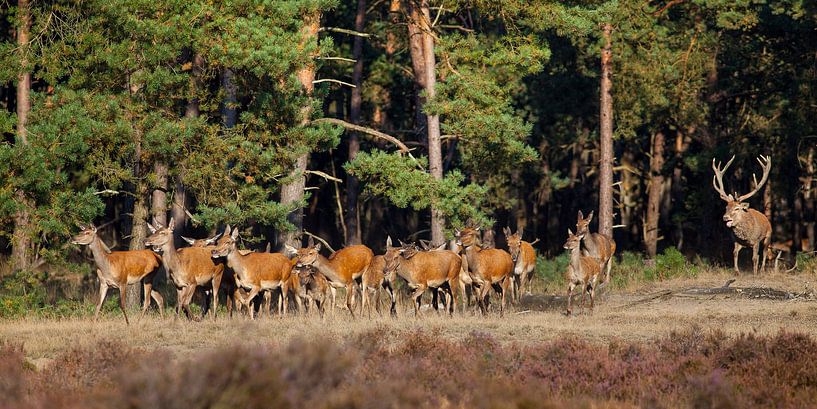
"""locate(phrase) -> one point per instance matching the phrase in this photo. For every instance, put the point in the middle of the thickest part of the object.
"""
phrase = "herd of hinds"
(469, 265)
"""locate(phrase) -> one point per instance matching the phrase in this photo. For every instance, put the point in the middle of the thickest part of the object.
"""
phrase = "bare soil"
(639, 314)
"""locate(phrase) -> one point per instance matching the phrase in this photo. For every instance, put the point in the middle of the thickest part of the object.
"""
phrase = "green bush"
(552, 271)
(632, 269)
(671, 263)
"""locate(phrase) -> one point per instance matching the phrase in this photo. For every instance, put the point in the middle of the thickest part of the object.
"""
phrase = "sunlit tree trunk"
(293, 191)
(21, 240)
(435, 159)
(606, 137)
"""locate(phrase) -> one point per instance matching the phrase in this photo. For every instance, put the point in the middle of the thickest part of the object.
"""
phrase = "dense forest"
(354, 120)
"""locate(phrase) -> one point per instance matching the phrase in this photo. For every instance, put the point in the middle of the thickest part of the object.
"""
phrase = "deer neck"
(236, 261)
(576, 259)
(100, 252)
(328, 269)
(170, 258)
(472, 255)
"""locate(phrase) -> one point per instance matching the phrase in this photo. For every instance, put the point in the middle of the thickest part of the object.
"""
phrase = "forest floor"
(639, 314)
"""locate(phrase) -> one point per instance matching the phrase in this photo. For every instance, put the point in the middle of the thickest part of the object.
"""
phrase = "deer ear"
(290, 251)
(172, 223)
(580, 215)
(590, 215)
(92, 227)
(569, 232)
(227, 230)
(310, 242)
(519, 232)
(151, 228)
(234, 234)
(456, 232)
(189, 240)
(388, 242)
(506, 231)
(318, 247)
(213, 239)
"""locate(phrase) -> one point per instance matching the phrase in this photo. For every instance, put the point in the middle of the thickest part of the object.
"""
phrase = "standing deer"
(228, 284)
(524, 261)
(255, 272)
(583, 271)
(597, 245)
(436, 269)
(117, 269)
(342, 268)
(750, 227)
(312, 286)
(189, 267)
(489, 268)
(374, 281)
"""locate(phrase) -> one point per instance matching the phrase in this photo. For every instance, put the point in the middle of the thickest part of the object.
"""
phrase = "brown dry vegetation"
(641, 347)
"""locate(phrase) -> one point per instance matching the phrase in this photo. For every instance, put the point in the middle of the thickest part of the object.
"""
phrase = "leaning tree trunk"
(352, 185)
(293, 191)
(654, 197)
(21, 239)
(606, 137)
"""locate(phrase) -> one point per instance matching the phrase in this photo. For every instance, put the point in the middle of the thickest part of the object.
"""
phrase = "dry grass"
(618, 316)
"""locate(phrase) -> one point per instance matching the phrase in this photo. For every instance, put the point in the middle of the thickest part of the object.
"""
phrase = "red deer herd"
(469, 265)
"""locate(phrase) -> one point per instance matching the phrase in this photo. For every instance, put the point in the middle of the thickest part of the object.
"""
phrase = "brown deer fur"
(189, 267)
(596, 245)
(583, 271)
(435, 269)
(312, 287)
(228, 284)
(488, 268)
(255, 272)
(751, 228)
(524, 261)
(117, 269)
(374, 281)
(342, 268)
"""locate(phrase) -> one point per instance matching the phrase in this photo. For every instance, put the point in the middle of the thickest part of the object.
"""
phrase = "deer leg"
(216, 285)
(248, 301)
(160, 302)
(147, 289)
(584, 292)
(103, 291)
(570, 288)
(187, 297)
(350, 297)
(755, 250)
(735, 254)
(334, 292)
(393, 307)
(285, 297)
(609, 266)
(592, 297)
(416, 296)
(123, 289)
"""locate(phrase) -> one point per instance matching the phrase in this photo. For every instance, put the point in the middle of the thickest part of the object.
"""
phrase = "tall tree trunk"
(293, 191)
(606, 137)
(418, 63)
(158, 202)
(352, 185)
(21, 239)
(191, 111)
(681, 145)
(654, 197)
(435, 158)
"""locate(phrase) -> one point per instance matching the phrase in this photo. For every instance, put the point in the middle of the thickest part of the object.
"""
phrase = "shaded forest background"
(354, 120)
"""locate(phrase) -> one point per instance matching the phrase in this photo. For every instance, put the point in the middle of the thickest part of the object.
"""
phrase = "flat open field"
(636, 315)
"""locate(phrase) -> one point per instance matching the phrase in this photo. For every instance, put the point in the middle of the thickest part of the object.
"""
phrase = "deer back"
(196, 264)
(374, 274)
(600, 246)
(590, 267)
(133, 265)
(752, 227)
(351, 262)
(492, 264)
(433, 266)
(527, 254)
(258, 267)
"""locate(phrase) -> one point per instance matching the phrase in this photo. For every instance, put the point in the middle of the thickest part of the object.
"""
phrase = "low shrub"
(421, 369)
(552, 271)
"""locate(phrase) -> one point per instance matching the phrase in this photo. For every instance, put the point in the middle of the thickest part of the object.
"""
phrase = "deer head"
(226, 244)
(583, 223)
(161, 235)
(468, 236)
(573, 240)
(514, 242)
(201, 242)
(395, 255)
(736, 207)
(308, 255)
(86, 235)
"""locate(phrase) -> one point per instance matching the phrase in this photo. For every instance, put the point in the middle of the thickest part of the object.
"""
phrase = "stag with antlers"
(750, 227)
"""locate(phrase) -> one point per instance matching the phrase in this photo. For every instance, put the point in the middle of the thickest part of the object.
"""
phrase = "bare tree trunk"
(293, 191)
(654, 198)
(158, 202)
(435, 158)
(606, 137)
(21, 239)
(352, 185)
(677, 192)
(418, 63)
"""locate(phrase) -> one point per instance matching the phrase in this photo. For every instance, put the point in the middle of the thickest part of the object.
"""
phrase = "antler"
(766, 163)
(717, 179)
